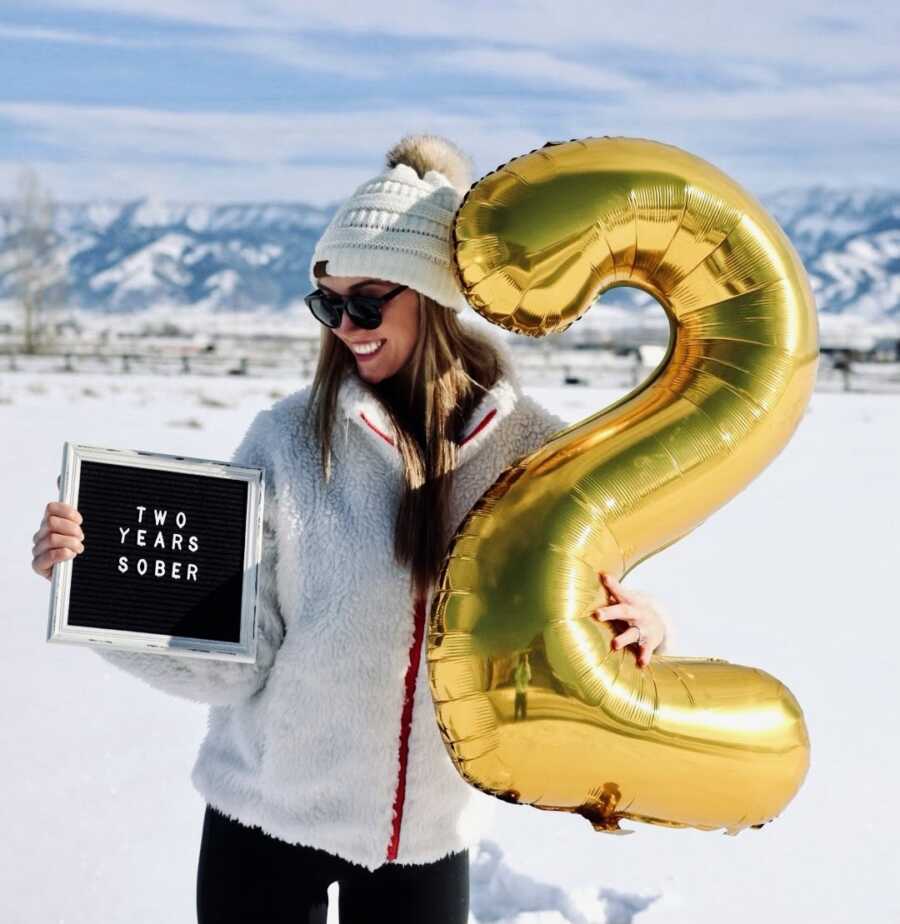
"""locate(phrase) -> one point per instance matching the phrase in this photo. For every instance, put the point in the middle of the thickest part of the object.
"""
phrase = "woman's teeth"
(364, 349)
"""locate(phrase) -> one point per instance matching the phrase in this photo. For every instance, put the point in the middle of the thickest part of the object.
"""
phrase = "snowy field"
(797, 575)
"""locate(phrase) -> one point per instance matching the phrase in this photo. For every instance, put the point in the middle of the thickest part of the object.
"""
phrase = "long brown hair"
(428, 402)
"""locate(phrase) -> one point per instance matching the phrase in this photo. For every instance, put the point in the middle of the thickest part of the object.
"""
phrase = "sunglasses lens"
(364, 312)
(323, 310)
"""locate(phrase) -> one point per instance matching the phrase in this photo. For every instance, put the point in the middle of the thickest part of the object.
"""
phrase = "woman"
(323, 761)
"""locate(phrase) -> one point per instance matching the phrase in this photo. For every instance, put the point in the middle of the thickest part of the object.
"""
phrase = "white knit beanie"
(396, 226)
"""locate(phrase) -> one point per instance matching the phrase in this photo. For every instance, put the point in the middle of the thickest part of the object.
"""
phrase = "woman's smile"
(367, 349)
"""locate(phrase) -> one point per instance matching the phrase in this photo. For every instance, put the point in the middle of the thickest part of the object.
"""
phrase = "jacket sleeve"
(542, 425)
(218, 682)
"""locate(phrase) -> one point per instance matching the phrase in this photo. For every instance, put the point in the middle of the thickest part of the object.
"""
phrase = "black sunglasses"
(364, 310)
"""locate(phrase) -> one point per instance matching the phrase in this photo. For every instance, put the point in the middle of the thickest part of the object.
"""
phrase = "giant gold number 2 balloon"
(685, 741)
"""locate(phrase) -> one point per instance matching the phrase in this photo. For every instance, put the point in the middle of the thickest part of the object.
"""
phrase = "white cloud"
(39, 34)
(108, 132)
(803, 32)
(300, 53)
(530, 66)
(120, 180)
(131, 151)
(838, 130)
(319, 156)
(855, 103)
(291, 51)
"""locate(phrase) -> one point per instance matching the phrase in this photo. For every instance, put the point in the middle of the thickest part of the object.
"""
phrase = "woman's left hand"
(647, 625)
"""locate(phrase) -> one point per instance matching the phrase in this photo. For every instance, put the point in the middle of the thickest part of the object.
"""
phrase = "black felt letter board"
(164, 552)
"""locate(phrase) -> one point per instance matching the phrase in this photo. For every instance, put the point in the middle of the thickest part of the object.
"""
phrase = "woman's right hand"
(58, 537)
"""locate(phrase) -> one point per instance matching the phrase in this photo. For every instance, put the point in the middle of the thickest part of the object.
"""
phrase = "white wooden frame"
(58, 628)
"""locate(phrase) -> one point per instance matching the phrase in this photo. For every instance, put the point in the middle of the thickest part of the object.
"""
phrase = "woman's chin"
(370, 372)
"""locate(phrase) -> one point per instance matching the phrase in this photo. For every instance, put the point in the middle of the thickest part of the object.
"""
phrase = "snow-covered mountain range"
(135, 255)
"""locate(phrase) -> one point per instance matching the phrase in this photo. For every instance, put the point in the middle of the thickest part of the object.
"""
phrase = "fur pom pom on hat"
(432, 152)
(397, 225)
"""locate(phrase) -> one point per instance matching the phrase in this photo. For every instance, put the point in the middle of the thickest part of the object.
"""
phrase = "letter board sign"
(171, 554)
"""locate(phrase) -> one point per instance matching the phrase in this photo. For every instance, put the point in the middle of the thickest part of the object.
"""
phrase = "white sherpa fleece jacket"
(330, 739)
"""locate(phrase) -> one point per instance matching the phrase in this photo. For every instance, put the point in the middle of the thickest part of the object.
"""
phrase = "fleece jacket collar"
(357, 404)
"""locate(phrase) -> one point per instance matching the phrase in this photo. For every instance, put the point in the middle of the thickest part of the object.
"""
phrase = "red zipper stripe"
(484, 422)
(480, 427)
(412, 670)
(369, 422)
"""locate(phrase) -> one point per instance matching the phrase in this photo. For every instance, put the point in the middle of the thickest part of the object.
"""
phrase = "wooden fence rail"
(598, 368)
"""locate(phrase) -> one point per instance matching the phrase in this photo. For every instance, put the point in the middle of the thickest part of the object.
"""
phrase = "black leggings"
(245, 875)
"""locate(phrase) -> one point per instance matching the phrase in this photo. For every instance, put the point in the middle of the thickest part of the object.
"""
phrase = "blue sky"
(215, 100)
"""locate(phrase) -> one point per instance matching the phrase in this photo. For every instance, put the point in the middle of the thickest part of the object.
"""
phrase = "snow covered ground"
(797, 575)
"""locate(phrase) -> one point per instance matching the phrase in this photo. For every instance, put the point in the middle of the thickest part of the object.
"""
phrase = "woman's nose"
(347, 326)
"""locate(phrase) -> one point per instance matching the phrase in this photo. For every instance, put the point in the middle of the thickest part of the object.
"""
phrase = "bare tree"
(37, 274)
